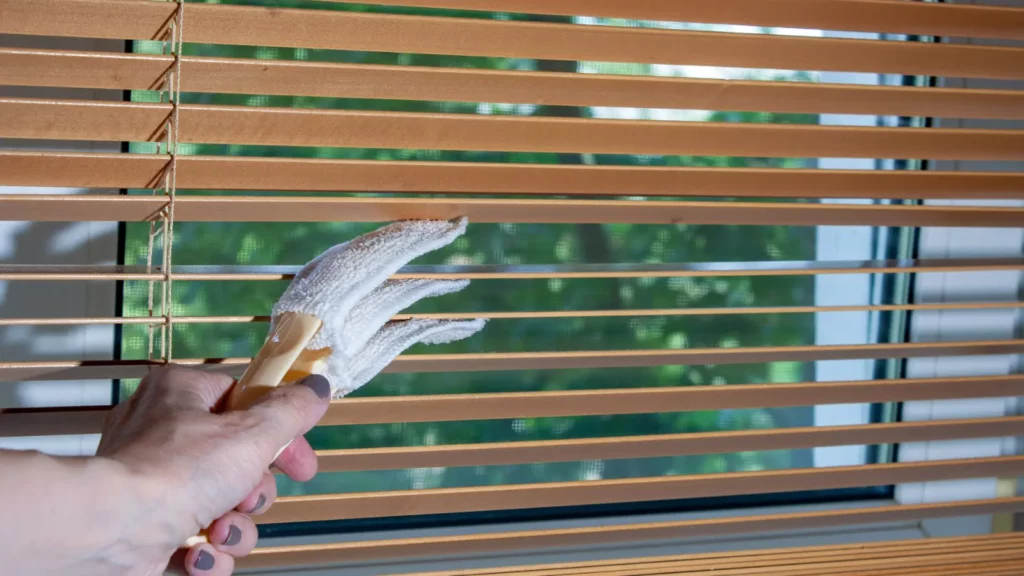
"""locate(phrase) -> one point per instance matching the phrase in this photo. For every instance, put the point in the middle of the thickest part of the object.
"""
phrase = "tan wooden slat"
(924, 562)
(138, 208)
(322, 554)
(75, 273)
(922, 554)
(16, 422)
(58, 272)
(966, 563)
(501, 361)
(23, 168)
(756, 556)
(96, 120)
(523, 496)
(456, 407)
(262, 26)
(942, 545)
(854, 15)
(632, 358)
(292, 78)
(462, 407)
(779, 560)
(534, 315)
(796, 562)
(655, 446)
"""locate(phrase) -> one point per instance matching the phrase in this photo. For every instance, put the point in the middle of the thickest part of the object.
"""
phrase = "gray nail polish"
(234, 536)
(204, 561)
(318, 384)
(260, 503)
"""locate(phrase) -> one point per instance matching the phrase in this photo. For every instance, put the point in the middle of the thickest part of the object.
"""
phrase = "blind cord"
(166, 215)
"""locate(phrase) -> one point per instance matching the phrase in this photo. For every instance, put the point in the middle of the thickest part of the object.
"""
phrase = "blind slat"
(300, 78)
(853, 15)
(99, 170)
(977, 558)
(534, 314)
(555, 494)
(327, 29)
(636, 358)
(59, 272)
(291, 556)
(496, 406)
(655, 446)
(987, 542)
(777, 560)
(494, 361)
(135, 122)
(138, 208)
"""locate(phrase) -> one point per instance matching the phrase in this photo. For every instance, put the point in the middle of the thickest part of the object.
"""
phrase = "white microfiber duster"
(335, 317)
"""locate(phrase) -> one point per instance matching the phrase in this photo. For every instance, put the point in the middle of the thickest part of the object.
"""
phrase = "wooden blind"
(926, 41)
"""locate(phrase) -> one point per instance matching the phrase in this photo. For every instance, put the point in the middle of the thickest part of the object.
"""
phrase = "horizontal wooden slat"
(139, 208)
(22, 168)
(496, 361)
(654, 400)
(296, 78)
(96, 120)
(464, 407)
(263, 26)
(58, 272)
(776, 560)
(854, 15)
(52, 422)
(924, 557)
(982, 561)
(631, 358)
(654, 446)
(755, 557)
(533, 315)
(554, 494)
(320, 554)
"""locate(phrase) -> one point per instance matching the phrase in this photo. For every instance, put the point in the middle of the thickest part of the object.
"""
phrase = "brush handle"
(282, 360)
(273, 364)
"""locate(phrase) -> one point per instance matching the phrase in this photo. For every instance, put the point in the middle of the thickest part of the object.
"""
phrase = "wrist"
(69, 515)
(135, 513)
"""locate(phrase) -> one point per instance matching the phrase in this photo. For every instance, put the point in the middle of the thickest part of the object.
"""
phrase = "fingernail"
(260, 503)
(318, 384)
(204, 561)
(234, 536)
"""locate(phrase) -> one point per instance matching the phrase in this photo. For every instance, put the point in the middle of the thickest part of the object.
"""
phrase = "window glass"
(251, 244)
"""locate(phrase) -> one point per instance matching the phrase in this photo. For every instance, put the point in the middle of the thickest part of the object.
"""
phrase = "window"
(740, 322)
(630, 306)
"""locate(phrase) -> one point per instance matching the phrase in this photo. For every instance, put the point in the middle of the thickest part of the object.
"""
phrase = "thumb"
(288, 412)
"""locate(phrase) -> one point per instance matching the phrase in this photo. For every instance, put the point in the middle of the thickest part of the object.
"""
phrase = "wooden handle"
(283, 359)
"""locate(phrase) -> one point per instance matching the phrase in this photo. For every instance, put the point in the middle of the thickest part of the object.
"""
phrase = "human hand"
(191, 467)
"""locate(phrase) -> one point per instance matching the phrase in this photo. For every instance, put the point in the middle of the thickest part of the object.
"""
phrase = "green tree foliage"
(296, 243)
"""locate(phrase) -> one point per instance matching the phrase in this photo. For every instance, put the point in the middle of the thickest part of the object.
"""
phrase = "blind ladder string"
(166, 216)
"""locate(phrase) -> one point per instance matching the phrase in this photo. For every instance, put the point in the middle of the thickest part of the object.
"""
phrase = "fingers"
(231, 536)
(233, 533)
(298, 461)
(205, 560)
(261, 497)
(286, 413)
